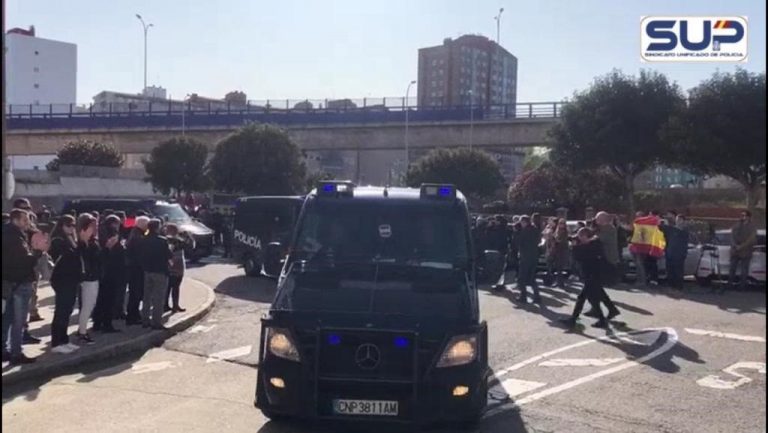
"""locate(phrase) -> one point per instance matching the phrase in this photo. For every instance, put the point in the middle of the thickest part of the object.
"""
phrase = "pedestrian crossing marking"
(727, 335)
(583, 362)
(229, 354)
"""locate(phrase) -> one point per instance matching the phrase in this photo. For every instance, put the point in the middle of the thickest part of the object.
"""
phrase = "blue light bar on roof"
(333, 188)
(438, 191)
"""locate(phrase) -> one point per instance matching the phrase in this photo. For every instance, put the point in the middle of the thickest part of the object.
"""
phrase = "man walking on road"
(528, 240)
(588, 251)
(20, 257)
(743, 240)
(156, 258)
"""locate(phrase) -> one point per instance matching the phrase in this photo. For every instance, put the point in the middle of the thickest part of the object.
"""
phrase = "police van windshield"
(424, 234)
(171, 212)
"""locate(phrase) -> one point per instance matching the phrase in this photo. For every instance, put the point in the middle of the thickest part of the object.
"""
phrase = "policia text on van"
(376, 314)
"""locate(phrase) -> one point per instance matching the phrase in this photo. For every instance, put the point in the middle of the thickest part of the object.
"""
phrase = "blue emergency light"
(335, 188)
(438, 191)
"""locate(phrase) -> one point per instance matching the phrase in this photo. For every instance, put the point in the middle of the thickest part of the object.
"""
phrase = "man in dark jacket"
(20, 256)
(528, 239)
(676, 250)
(113, 278)
(589, 251)
(156, 258)
(135, 272)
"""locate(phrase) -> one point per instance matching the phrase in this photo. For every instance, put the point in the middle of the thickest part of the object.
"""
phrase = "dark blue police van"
(376, 314)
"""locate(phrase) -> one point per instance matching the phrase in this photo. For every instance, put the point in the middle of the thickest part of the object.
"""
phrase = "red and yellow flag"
(647, 238)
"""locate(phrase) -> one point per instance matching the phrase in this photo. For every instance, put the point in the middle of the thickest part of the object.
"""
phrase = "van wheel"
(274, 417)
(704, 281)
(251, 267)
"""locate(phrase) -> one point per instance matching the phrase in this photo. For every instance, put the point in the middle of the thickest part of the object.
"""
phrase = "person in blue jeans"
(20, 257)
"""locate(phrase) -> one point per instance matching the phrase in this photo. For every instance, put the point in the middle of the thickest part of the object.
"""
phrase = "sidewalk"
(196, 297)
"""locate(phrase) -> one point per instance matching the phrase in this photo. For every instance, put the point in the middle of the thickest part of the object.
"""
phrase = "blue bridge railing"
(186, 115)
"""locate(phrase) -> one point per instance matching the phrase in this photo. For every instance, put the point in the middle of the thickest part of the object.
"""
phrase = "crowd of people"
(592, 251)
(114, 267)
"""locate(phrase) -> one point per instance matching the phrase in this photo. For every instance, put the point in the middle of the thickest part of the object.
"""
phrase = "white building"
(39, 71)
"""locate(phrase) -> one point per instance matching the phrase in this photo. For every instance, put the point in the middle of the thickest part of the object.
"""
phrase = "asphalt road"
(680, 362)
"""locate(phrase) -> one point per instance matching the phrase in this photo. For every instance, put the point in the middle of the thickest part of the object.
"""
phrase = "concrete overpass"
(344, 137)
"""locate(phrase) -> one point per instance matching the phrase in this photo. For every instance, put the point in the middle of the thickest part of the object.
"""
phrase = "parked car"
(715, 259)
(262, 230)
(171, 212)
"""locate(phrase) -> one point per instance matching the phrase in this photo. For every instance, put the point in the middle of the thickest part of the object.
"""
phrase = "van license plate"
(365, 407)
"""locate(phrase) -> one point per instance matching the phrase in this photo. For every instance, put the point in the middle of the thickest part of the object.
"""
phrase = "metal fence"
(216, 113)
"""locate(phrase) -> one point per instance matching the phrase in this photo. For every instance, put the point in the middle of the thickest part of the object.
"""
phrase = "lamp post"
(498, 26)
(471, 117)
(8, 179)
(407, 109)
(183, 115)
(146, 29)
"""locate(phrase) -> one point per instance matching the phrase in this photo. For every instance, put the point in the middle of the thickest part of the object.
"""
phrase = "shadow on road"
(257, 289)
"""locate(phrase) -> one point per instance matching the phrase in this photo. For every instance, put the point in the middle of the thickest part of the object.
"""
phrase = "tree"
(258, 159)
(722, 131)
(86, 152)
(616, 124)
(550, 187)
(177, 166)
(473, 172)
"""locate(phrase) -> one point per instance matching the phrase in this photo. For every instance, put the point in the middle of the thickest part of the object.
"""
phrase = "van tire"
(251, 267)
(704, 281)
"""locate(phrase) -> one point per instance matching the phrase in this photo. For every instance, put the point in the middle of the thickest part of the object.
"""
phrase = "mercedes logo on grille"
(367, 356)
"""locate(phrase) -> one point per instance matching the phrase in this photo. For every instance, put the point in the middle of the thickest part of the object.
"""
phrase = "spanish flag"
(647, 238)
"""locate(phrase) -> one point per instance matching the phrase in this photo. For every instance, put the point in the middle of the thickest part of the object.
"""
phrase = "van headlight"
(280, 344)
(460, 350)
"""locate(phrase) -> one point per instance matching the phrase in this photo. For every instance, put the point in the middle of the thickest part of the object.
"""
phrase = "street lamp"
(498, 26)
(146, 29)
(407, 109)
(183, 118)
(471, 117)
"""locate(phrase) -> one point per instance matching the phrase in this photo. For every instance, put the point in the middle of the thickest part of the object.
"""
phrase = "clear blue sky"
(353, 48)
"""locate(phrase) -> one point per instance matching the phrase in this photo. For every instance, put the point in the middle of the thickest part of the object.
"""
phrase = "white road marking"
(717, 334)
(201, 329)
(515, 387)
(519, 365)
(714, 381)
(152, 366)
(229, 354)
(583, 362)
(672, 339)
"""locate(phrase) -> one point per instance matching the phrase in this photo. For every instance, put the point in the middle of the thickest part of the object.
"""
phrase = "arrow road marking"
(717, 334)
(671, 341)
(201, 329)
(714, 381)
(585, 362)
(229, 354)
(515, 387)
(152, 366)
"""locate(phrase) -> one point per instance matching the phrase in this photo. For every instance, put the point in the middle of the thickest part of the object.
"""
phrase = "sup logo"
(693, 39)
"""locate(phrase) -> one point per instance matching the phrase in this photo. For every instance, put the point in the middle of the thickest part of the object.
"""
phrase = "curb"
(144, 341)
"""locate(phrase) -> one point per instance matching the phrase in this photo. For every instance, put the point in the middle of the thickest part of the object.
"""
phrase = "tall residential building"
(39, 71)
(468, 70)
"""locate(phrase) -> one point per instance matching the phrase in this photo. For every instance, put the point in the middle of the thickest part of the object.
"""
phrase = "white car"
(690, 267)
(715, 259)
